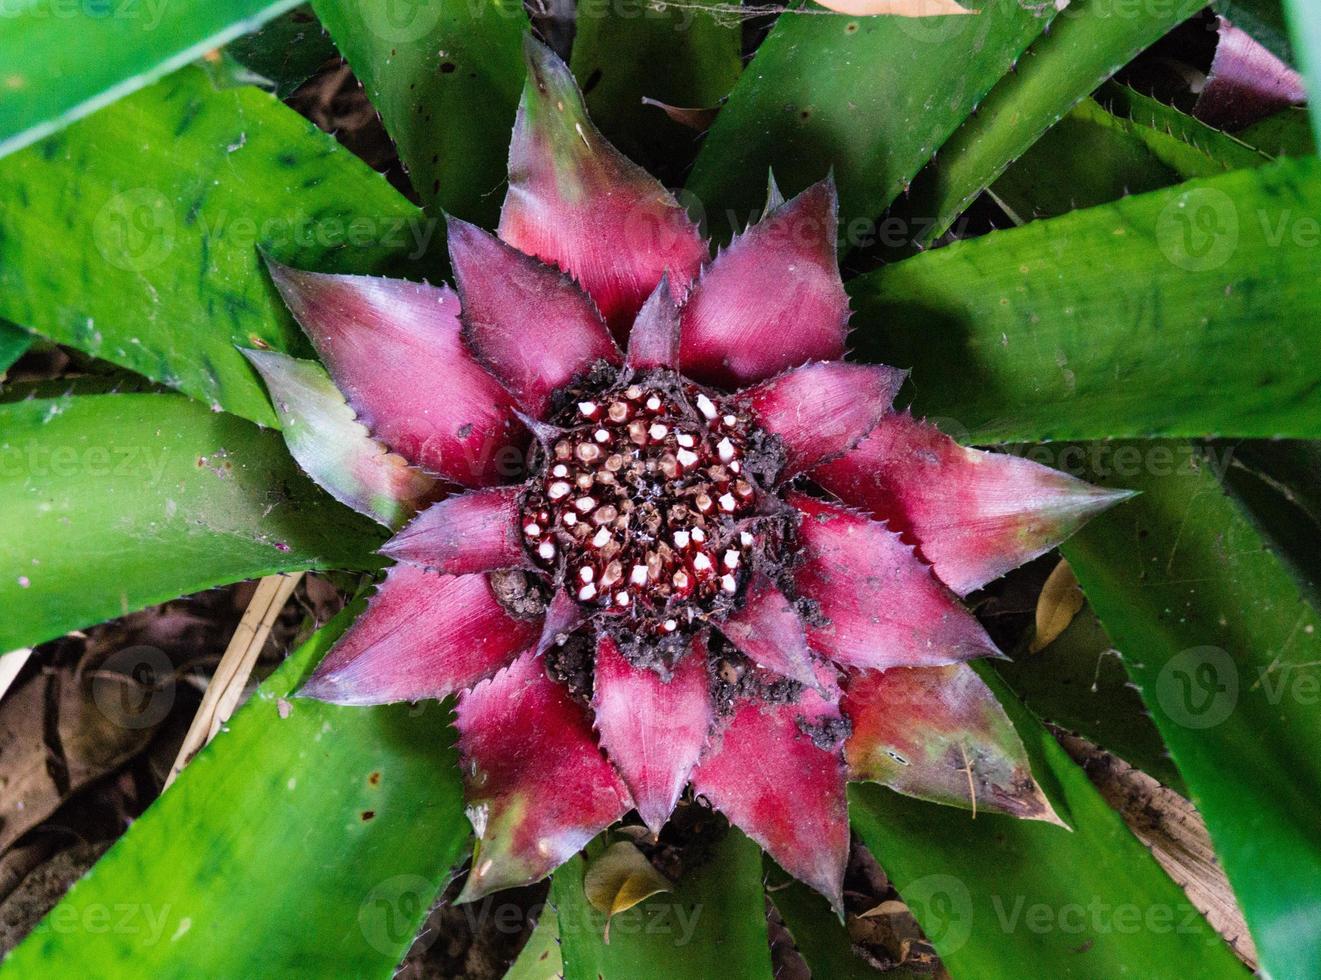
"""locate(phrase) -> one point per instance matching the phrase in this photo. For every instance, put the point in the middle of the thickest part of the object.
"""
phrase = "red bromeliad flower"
(730, 564)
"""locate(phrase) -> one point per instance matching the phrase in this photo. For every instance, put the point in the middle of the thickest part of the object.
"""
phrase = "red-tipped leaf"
(423, 635)
(654, 340)
(478, 531)
(393, 349)
(822, 410)
(333, 447)
(879, 605)
(563, 615)
(938, 733)
(973, 515)
(776, 772)
(652, 728)
(538, 787)
(772, 300)
(769, 631)
(578, 203)
(530, 325)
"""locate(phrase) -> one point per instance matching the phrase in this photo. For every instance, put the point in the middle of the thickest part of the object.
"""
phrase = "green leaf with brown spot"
(110, 503)
(445, 77)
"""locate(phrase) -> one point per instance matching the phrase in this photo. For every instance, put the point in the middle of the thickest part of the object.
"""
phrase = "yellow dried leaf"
(620, 878)
(1060, 600)
(895, 8)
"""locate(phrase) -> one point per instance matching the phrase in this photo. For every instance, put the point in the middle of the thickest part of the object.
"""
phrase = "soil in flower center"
(646, 504)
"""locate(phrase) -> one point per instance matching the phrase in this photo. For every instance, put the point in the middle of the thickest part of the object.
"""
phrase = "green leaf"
(713, 923)
(1279, 485)
(540, 957)
(1090, 157)
(1304, 18)
(1285, 134)
(1000, 897)
(1086, 45)
(1225, 651)
(445, 77)
(65, 60)
(1180, 312)
(134, 235)
(629, 50)
(13, 344)
(115, 502)
(286, 52)
(872, 97)
(1078, 682)
(307, 840)
(1093, 156)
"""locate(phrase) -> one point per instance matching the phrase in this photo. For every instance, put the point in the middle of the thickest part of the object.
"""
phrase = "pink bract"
(724, 563)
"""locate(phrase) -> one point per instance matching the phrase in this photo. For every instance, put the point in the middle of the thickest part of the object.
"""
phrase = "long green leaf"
(135, 234)
(872, 97)
(1187, 311)
(65, 60)
(539, 959)
(1226, 652)
(626, 51)
(109, 503)
(445, 77)
(1088, 42)
(1304, 18)
(308, 840)
(1279, 485)
(1093, 156)
(1000, 897)
(713, 923)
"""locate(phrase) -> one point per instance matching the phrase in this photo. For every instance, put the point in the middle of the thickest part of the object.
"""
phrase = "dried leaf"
(698, 118)
(1060, 600)
(895, 8)
(620, 878)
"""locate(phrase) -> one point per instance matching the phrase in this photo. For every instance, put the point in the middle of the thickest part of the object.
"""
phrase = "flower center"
(642, 504)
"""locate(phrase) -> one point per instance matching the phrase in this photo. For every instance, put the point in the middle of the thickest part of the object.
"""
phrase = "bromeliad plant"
(661, 586)
(655, 537)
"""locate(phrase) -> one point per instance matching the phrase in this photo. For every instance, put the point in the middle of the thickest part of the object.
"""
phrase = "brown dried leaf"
(1060, 600)
(620, 878)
